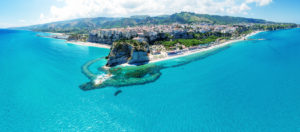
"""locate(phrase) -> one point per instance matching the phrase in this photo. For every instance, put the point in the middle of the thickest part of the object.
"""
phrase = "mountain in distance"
(84, 25)
(81, 25)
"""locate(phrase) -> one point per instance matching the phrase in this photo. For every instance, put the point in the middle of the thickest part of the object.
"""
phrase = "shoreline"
(101, 79)
(207, 49)
(98, 45)
(89, 44)
(201, 50)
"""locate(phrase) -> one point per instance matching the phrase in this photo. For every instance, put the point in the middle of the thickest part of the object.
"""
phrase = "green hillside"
(84, 25)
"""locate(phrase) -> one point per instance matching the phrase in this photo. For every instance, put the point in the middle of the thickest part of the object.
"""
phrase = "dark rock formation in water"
(118, 92)
(128, 51)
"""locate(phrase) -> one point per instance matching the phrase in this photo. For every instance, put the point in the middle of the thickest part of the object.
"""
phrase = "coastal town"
(169, 41)
(154, 35)
(151, 33)
(139, 45)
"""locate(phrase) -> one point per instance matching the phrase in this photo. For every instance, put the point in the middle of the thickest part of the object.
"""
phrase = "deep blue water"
(250, 86)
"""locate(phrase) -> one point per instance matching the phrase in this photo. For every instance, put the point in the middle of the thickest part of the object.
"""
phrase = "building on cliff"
(155, 32)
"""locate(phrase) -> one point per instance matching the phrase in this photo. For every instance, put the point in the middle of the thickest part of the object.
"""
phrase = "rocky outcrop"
(129, 51)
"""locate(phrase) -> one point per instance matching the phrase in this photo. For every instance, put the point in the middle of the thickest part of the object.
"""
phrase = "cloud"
(239, 9)
(123, 8)
(260, 2)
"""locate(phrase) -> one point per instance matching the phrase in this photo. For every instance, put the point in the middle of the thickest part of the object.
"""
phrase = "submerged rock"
(128, 51)
(126, 76)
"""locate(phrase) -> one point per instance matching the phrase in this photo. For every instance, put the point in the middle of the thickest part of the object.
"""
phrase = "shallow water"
(248, 86)
(121, 76)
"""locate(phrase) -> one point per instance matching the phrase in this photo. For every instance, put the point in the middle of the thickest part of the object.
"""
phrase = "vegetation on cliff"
(271, 27)
(128, 51)
(190, 42)
(196, 39)
(78, 37)
(138, 46)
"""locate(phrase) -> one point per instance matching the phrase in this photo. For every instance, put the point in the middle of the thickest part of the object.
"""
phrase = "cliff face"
(131, 52)
(110, 36)
(138, 57)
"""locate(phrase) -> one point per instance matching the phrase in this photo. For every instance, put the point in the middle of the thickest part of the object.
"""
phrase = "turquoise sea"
(250, 86)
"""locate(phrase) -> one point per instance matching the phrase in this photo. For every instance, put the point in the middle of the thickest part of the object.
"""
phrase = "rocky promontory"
(128, 51)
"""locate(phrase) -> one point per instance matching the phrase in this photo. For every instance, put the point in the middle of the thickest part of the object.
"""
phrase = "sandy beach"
(89, 44)
(99, 45)
(207, 49)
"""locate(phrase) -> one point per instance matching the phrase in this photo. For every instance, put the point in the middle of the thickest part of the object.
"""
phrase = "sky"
(16, 13)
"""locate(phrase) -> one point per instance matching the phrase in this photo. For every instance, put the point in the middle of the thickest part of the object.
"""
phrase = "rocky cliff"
(108, 36)
(128, 51)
